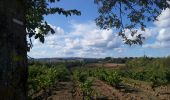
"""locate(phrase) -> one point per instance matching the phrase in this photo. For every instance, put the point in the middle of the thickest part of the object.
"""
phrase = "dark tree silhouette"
(18, 19)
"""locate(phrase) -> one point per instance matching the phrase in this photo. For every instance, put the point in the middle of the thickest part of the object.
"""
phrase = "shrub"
(43, 77)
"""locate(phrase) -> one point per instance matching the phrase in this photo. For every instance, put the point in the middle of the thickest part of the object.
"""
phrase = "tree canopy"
(120, 14)
(35, 12)
(129, 15)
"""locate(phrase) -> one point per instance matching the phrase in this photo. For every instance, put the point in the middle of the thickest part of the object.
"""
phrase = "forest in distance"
(142, 78)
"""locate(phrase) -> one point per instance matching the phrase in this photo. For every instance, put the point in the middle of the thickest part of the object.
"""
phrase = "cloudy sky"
(78, 36)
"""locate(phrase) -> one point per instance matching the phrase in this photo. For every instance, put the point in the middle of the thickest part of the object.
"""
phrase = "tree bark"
(13, 50)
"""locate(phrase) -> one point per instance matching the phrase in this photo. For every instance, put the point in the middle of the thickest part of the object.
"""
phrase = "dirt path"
(107, 92)
(162, 92)
(63, 91)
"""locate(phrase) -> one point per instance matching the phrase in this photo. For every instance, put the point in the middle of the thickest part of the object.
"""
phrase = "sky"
(78, 36)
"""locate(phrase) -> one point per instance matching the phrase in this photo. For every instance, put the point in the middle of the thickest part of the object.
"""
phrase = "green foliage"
(156, 71)
(109, 76)
(112, 77)
(129, 15)
(86, 87)
(85, 83)
(85, 76)
(35, 12)
(140, 62)
(79, 75)
(42, 77)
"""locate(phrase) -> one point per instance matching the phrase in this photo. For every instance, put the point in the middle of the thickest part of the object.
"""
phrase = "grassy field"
(137, 79)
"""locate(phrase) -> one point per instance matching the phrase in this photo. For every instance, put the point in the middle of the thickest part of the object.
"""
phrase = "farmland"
(136, 79)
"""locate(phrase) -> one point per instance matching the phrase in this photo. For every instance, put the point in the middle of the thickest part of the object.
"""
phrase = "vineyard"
(139, 79)
(44, 77)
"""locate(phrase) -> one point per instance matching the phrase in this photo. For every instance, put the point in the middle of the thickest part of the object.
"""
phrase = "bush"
(111, 77)
(85, 83)
(86, 88)
(43, 77)
(156, 70)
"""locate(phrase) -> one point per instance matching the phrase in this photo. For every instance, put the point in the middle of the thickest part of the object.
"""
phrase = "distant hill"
(64, 59)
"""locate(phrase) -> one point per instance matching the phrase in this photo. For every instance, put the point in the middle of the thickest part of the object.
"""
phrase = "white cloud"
(84, 40)
(119, 50)
(158, 45)
(164, 34)
(164, 19)
(147, 34)
(162, 39)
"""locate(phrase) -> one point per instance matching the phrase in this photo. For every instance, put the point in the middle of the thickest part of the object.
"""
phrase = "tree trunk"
(13, 50)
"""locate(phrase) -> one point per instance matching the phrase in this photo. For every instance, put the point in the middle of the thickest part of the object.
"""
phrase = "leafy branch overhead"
(129, 15)
(36, 10)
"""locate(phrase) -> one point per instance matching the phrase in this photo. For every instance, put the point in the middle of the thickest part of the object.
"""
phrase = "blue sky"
(78, 36)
